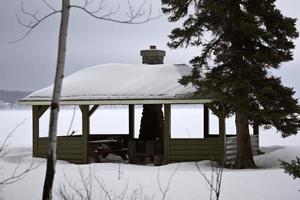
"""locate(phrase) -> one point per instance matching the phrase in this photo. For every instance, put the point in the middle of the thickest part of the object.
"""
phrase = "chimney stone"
(153, 56)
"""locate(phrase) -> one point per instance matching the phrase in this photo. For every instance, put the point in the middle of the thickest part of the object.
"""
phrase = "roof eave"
(120, 101)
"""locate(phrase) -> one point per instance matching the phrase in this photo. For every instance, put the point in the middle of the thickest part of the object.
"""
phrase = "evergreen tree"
(241, 40)
(292, 168)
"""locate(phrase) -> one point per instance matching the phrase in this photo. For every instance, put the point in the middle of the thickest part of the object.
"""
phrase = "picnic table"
(102, 148)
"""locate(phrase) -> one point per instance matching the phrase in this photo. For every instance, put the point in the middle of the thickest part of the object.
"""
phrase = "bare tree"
(18, 173)
(4, 144)
(164, 190)
(215, 181)
(90, 186)
(133, 16)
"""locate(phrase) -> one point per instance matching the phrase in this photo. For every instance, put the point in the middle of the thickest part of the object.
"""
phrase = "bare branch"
(21, 22)
(9, 135)
(49, 6)
(35, 20)
(166, 189)
(71, 123)
(99, 8)
(16, 175)
(215, 181)
(31, 26)
(103, 188)
(65, 193)
(33, 15)
(131, 14)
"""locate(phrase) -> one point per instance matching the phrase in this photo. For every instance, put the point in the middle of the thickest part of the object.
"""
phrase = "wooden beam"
(42, 109)
(131, 121)
(85, 131)
(118, 101)
(205, 121)
(167, 132)
(94, 108)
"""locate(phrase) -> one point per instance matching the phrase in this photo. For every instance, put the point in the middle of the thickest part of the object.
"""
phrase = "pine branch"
(292, 168)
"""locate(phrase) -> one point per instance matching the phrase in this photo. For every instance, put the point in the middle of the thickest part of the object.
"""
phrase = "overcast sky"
(30, 63)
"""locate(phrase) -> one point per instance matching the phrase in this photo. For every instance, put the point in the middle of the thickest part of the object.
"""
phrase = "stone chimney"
(152, 121)
(153, 56)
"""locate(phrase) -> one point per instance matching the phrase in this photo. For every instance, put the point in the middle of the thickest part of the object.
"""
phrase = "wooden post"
(131, 121)
(222, 136)
(37, 112)
(85, 131)
(205, 121)
(167, 132)
(35, 130)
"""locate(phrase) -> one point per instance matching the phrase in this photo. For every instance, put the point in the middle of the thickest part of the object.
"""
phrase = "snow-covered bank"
(268, 182)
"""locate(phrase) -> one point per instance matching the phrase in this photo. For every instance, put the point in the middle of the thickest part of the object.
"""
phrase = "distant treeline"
(7, 96)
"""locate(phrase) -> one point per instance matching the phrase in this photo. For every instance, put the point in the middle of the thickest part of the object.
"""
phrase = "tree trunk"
(244, 157)
(51, 154)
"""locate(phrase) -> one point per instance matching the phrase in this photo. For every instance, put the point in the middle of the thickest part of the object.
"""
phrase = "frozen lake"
(187, 122)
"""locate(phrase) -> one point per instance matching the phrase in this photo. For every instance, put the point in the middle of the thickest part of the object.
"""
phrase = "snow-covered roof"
(114, 83)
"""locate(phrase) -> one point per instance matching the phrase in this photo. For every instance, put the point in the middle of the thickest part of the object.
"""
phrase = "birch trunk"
(51, 154)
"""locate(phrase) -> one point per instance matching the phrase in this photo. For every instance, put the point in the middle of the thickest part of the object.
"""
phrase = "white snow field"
(269, 182)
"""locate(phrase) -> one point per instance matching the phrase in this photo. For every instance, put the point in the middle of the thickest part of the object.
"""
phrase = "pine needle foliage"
(292, 168)
(240, 42)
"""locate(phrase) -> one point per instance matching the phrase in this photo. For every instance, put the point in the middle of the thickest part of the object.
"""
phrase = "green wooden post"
(85, 131)
(37, 112)
(222, 136)
(131, 121)
(205, 121)
(35, 130)
(167, 132)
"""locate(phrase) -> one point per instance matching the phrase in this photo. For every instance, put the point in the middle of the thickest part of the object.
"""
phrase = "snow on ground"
(267, 182)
